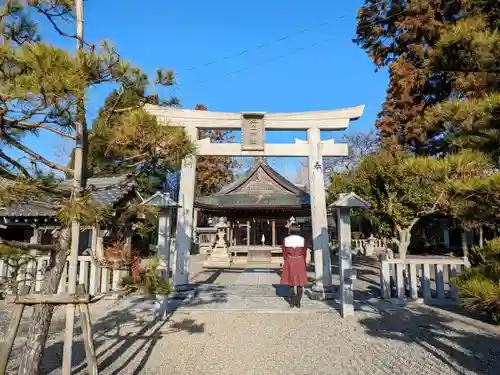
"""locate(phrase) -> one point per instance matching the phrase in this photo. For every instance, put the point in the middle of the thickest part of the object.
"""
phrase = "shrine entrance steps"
(256, 288)
(256, 298)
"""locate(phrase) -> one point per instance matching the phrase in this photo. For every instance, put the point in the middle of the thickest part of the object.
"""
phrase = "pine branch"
(16, 164)
(36, 125)
(28, 246)
(110, 113)
(37, 157)
(62, 33)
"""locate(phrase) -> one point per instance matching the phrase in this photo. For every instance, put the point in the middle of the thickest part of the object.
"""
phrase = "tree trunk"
(404, 242)
(42, 315)
(79, 183)
(481, 237)
(404, 238)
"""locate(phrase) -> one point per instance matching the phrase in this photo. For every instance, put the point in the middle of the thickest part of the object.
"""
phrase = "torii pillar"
(253, 126)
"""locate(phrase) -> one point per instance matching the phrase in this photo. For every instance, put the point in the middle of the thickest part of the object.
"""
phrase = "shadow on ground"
(116, 333)
(458, 342)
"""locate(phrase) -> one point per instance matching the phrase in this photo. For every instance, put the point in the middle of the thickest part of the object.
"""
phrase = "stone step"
(239, 299)
(203, 291)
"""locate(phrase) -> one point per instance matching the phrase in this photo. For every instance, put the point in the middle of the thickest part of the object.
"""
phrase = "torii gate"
(253, 126)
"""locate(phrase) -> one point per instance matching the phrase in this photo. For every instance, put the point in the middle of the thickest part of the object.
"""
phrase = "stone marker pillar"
(346, 272)
(321, 250)
(184, 232)
(165, 204)
(161, 302)
(164, 240)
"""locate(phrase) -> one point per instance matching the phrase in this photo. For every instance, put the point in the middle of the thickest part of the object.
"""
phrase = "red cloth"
(294, 266)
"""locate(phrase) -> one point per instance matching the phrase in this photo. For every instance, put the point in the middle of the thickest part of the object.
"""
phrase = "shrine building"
(256, 209)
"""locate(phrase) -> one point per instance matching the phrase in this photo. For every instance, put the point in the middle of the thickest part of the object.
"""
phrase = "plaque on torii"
(252, 132)
(253, 126)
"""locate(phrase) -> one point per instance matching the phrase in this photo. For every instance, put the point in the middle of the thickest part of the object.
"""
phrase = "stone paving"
(241, 324)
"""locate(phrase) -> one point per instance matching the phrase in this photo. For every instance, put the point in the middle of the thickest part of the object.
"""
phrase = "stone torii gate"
(253, 126)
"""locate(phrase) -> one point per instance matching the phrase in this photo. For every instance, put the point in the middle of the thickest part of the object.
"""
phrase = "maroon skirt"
(294, 270)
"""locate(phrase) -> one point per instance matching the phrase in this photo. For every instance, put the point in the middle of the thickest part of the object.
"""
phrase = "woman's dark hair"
(293, 229)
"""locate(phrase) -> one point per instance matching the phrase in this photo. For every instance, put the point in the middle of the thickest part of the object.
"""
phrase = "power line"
(263, 45)
(294, 52)
(267, 44)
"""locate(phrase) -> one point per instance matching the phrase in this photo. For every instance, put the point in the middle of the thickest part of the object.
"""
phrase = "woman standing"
(294, 267)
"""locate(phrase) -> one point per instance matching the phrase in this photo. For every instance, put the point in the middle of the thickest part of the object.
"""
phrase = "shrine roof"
(260, 187)
(104, 191)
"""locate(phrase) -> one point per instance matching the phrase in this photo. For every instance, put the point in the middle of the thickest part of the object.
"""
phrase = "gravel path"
(250, 330)
(380, 339)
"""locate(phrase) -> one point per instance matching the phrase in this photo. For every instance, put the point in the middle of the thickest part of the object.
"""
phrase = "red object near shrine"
(294, 267)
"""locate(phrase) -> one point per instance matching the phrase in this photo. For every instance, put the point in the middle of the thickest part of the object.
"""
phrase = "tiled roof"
(29, 210)
(104, 190)
(230, 196)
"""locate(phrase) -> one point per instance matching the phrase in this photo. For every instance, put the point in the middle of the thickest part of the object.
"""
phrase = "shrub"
(149, 281)
(479, 287)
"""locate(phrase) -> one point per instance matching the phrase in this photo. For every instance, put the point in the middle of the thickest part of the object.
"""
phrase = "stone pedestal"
(161, 307)
(369, 249)
(322, 294)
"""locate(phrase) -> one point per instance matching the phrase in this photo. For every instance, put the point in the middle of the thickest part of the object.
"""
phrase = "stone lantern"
(346, 272)
(166, 205)
(219, 255)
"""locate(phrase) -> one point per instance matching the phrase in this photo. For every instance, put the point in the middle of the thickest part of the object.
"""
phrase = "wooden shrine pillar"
(248, 233)
(273, 229)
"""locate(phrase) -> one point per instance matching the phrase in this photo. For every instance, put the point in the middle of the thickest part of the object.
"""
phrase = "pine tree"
(436, 52)
(41, 87)
(468, 51)
(396, 34)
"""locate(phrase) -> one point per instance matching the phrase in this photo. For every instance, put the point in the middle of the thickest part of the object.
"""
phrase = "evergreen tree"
(41, 87)
(212, 172)
(440, 54)
(402, 188)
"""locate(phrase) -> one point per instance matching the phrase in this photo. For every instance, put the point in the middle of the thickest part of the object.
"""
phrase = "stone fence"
(31, 272)
(421, 277)
(206, 238)
(369, 246)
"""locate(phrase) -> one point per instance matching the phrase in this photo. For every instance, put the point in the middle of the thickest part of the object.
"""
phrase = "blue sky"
(330, 72)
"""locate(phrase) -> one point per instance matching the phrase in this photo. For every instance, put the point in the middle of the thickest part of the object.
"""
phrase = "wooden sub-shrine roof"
(260, 187)
(104, 191)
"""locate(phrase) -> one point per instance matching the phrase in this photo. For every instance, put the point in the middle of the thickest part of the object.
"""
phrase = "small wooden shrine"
(257, 208)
